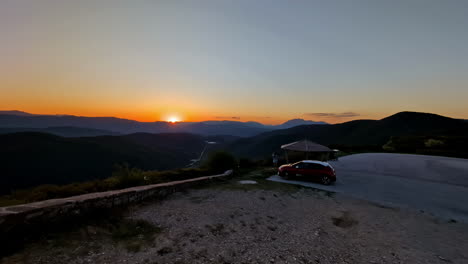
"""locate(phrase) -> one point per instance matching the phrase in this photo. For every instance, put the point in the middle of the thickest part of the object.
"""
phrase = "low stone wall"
(21, 219)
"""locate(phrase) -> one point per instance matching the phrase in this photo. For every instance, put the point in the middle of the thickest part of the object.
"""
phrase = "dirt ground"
(261, 223)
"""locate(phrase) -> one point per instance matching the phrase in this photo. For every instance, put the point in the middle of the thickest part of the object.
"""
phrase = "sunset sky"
(260, 60)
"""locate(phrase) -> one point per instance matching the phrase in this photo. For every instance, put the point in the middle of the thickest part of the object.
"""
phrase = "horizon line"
(208, 120)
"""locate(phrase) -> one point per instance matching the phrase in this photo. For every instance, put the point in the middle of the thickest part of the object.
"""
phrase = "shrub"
(123, 177)
(433, 143)
(42, 192)
(389, 146)
(153, 177)
(127, 177)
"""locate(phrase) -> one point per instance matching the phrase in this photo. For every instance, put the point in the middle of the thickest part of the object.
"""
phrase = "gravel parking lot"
(267, 222)
(438, 185)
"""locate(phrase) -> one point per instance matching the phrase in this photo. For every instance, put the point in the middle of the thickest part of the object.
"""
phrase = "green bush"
(123, 177)
(220, 161)
(127, 177)
(389, 146)
(433, 143)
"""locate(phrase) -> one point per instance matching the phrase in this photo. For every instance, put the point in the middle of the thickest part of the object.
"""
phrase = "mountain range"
(29, 158)
(353, 133)
(32, 158)
(73, 126)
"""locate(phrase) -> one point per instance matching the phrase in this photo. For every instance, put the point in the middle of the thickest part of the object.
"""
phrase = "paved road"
(438, 185)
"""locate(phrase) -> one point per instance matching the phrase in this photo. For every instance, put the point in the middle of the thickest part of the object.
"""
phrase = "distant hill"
(61, 131)
(29, 159)
(15, 112)
(355, 133)
(21, 121)
(298, 122)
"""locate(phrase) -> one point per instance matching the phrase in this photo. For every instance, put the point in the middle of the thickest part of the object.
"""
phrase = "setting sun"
(173, 119)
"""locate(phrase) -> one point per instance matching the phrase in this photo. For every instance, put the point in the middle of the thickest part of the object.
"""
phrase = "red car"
(312, 169)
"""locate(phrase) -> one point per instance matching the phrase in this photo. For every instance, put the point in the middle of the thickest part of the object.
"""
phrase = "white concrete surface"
(247, 182)
(438, 185)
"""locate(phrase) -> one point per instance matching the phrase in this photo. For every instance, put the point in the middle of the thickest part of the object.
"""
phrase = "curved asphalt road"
(438, 185)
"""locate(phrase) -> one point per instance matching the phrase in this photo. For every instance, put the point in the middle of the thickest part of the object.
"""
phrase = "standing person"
(274, 156)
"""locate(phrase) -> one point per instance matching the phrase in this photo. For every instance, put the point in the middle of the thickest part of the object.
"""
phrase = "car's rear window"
(315, 166)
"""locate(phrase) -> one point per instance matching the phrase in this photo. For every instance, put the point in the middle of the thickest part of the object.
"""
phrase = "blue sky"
(267, 61)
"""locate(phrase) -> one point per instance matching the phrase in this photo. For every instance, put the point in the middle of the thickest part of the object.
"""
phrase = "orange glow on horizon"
(173, 119)
(142, 115)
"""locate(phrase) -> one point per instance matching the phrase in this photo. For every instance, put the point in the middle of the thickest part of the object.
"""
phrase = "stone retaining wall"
(21, 219)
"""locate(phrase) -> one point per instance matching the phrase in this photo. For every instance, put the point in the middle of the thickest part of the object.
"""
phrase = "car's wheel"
(285, 175)
(325, 180)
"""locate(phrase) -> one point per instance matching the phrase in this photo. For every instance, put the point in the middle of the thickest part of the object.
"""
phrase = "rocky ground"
(260, 223)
